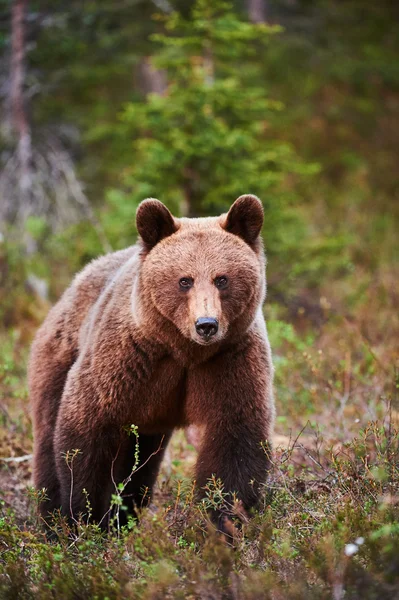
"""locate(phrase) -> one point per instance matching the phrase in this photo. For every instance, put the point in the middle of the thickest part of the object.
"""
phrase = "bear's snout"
(206, 327)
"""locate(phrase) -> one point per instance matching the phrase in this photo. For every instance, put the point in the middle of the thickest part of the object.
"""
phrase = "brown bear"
(167, 333)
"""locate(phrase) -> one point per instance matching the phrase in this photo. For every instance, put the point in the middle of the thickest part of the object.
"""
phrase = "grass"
(328, 526)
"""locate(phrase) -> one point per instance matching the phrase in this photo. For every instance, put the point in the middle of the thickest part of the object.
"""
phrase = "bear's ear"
(154, 222)
(245, 218)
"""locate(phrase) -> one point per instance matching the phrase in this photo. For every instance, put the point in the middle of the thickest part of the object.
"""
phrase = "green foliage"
(245, 108)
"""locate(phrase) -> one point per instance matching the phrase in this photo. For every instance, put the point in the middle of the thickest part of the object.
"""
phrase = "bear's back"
(58, 336)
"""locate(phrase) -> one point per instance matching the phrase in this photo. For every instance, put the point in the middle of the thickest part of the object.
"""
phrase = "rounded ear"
(245, 218)
(154, 222)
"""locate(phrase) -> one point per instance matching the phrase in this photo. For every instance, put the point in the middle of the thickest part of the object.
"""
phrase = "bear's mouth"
(204, 341)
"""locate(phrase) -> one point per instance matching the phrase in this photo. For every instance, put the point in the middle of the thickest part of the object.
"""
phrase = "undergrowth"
(328, 523)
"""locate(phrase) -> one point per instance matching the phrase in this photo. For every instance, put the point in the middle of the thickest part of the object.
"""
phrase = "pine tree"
(205, 140)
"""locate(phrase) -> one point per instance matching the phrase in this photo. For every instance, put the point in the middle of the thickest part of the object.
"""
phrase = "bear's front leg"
(87, 440)
(85, 460)
(232, 396)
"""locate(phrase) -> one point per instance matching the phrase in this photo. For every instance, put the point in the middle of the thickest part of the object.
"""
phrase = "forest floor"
(328, 525)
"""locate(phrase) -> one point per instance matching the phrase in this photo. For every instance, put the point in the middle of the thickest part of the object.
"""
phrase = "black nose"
(206, 326)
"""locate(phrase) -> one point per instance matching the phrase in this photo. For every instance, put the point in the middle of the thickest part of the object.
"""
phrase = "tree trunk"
(150, 79)
(257, 11)
(19, 118)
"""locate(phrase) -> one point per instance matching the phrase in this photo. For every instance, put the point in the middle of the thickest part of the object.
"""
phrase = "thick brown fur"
(121, 348)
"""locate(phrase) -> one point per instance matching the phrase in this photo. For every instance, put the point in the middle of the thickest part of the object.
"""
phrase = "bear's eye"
(186, 283)
(221, 282)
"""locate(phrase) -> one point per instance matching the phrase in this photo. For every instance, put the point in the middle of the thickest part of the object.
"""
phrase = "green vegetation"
(196, 107)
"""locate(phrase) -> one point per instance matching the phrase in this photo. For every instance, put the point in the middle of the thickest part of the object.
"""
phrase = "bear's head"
(206, 275)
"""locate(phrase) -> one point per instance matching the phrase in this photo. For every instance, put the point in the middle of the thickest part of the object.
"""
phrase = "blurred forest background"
(104, 103)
